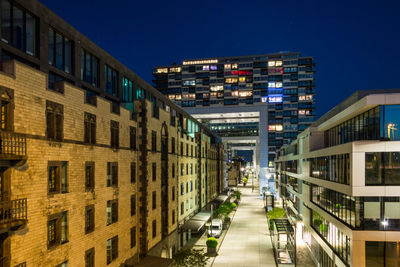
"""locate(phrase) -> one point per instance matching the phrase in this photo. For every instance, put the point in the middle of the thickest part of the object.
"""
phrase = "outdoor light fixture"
(385, 223)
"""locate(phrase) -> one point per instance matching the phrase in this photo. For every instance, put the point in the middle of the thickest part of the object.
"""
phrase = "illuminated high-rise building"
(256, 103)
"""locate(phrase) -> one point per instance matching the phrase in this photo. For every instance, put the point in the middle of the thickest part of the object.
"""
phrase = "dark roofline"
(54, 20)
(356, 96)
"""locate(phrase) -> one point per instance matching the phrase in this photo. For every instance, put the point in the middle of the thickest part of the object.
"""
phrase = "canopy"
(195, 223)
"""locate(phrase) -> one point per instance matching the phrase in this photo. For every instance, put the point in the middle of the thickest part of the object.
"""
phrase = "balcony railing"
(13, 212)
(12, 144)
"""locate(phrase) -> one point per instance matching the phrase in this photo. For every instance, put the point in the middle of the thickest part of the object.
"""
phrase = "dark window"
(154, 232)
(154, 171)
(182, 208)
(182, 169)
(58, 177)
(172, 145)
(133, 172)
(90, 128)
(132, 137)
(181, 148)
(153, 141)
(114, 134)
(5, 107)
(187, 149)
(382, 168)
(182, 188)
(89, 258)
(112, 211)
(89, 175)
(154, 200)
(173, 170)
(112, 249)
(110, 80)
(173, 193)
(112, 174)
(89, 68)
(54, 121)
(57, 229)
(60, 51)
(133, 205)
(127, 90)
(173, 216)
(18, 28)
(133, 236)
(89, 219)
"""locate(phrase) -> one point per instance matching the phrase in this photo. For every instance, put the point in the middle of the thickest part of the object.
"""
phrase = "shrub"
(189, 258)
(212, 242)
(237, 194)
(244, 180)
(233, 205)
(275, 213)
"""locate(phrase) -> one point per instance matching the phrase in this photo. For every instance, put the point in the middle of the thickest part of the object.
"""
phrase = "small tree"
(189, 258)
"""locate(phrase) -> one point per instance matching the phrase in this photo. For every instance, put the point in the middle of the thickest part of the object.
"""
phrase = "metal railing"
(13, 210)
(13, 144)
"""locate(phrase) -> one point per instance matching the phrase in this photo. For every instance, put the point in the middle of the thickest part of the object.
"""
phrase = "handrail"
(12, 143)
(13, 210)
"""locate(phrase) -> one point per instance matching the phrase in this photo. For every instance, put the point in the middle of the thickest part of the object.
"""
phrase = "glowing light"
(194, 62)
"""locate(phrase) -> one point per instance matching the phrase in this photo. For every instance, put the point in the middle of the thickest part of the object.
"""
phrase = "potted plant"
(272, 215)
(212, 243)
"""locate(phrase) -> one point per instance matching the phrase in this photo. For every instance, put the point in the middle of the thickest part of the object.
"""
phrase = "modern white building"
(256, 103)
(340, 182)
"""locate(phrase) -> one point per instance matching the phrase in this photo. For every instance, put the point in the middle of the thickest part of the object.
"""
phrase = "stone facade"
(152, 183)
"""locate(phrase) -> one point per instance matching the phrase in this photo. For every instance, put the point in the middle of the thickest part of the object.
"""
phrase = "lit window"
(206, 67)
(227, 66)
(245, 93)
(177, 69)
(278, 63)
(271, 127)
(235, 93)
(242, 79)
(271, 84)
(215, 88)
(302, 112)
(278, 84)
(213, 67)
(234, 66)
(279, 127)
(231, 80)
(178, 97)
(171, 96)
(264, 99)
(189, 82)
(271, 63)
(163, 70)
(275, 99)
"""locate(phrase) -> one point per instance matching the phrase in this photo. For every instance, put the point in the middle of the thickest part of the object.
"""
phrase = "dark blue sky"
(355, 43)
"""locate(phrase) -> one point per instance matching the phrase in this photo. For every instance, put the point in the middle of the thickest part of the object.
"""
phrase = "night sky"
(355, 44)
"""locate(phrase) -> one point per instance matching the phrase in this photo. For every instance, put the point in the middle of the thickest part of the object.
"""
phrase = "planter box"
(211, 250)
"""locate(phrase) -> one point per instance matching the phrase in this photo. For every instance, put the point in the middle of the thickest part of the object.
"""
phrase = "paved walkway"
(247, 242)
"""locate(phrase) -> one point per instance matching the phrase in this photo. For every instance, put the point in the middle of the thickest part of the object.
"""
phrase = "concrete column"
(264, 172)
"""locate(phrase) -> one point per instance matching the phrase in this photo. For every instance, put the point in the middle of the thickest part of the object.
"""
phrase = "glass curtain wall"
(335, 168)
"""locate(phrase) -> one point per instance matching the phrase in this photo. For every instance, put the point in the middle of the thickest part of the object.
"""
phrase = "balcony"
(13, 214)
(12, 147)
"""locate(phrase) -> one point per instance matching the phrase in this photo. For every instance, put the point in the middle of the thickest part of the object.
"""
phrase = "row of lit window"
(214, 67)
